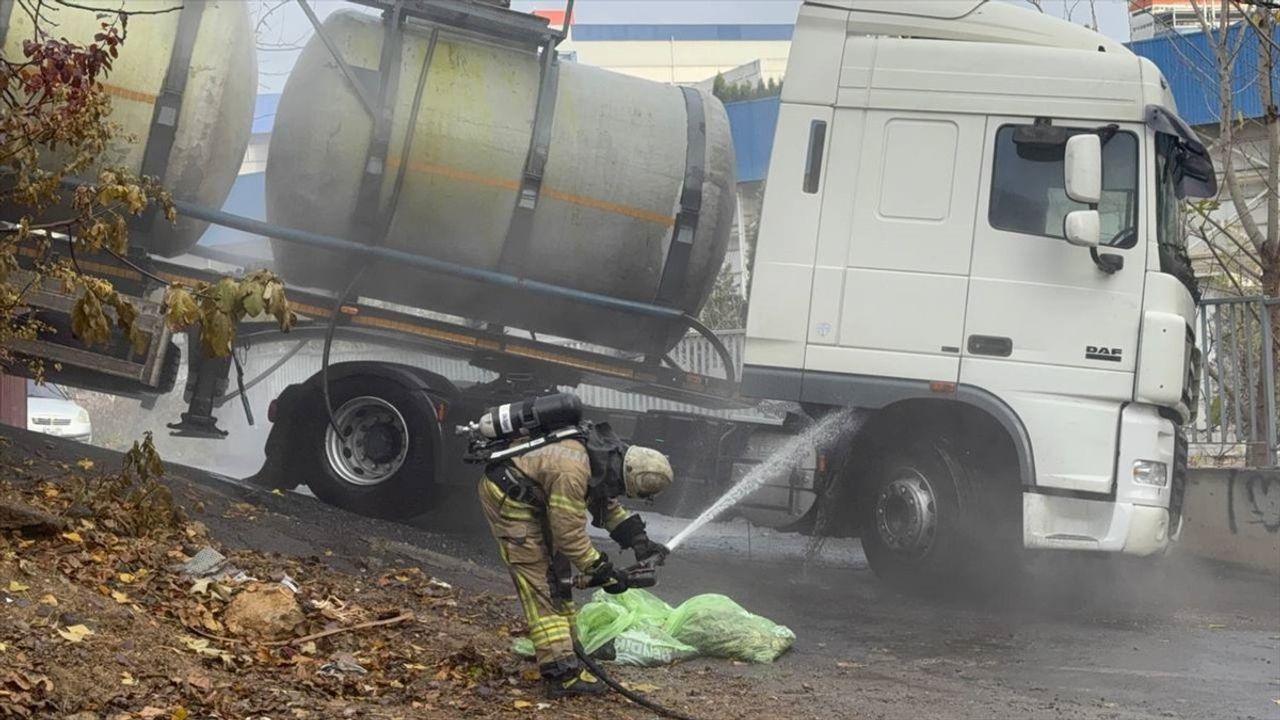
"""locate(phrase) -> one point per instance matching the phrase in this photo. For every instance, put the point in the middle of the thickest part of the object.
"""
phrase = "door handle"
(991, 345)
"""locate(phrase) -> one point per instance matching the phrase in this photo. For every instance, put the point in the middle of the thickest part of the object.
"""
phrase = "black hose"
(622, 690)
(616, 686)
(730, 372)
(245, 386)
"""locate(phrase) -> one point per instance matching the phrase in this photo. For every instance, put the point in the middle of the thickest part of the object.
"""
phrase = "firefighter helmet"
(645, 472)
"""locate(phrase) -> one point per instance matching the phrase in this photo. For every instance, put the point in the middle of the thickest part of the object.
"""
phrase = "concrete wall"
(1233, 516)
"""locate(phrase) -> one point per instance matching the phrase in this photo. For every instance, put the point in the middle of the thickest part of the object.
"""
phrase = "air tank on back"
(205, 104)
(619, 153)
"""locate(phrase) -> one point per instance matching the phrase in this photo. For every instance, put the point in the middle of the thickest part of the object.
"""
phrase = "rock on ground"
(263, 611)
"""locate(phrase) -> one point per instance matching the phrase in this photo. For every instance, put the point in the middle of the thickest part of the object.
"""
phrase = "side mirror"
(1083, 169)
(1083, 228)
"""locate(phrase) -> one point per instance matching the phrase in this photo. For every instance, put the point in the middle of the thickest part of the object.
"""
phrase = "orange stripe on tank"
(489, 181)
(454, 173)
(605, 205)
(128, 94)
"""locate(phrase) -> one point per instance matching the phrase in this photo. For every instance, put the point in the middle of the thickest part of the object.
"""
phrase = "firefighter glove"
(644, 548)
(604, 575)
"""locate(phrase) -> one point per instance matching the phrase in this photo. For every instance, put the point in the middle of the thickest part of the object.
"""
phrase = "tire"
(387, 471)
(912, 515)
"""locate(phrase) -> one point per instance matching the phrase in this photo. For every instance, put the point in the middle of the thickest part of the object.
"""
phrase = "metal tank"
(182, 92)
(612, 195)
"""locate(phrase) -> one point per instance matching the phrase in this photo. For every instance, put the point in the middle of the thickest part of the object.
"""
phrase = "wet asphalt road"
(1079, 637)
(1075, 637)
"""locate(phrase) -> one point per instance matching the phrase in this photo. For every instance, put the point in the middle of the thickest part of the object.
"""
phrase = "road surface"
(1078, 637)
(1075, 637)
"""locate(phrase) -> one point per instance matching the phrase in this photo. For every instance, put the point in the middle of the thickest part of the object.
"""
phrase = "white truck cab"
(971, 224)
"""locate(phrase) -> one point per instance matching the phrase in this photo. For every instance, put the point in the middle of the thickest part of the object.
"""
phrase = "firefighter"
(537, 506)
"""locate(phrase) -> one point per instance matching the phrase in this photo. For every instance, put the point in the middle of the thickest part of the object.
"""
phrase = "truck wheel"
(911, 515)
(380, 461)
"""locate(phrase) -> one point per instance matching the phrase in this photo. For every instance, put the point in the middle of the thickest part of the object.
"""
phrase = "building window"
(1027, 194)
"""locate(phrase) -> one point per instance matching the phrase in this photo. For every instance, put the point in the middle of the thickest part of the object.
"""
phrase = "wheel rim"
(373, 443)
(907, 514)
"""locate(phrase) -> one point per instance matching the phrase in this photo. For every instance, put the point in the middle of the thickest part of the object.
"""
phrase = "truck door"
(1048, 329)
(890, 276)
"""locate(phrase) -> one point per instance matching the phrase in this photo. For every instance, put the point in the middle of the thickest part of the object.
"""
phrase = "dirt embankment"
(113, 605)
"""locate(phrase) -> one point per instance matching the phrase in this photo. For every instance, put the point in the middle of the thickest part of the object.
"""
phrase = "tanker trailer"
(631, 165)
(182, 92)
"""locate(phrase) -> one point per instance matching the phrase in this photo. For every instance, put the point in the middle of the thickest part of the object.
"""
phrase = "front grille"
(59, 421)
(1178, 481)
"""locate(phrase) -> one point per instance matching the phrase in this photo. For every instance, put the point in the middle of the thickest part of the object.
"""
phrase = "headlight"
(82, 416)
(1150, 472)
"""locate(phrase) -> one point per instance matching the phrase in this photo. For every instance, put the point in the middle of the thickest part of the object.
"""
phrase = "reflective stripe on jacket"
(563, 470)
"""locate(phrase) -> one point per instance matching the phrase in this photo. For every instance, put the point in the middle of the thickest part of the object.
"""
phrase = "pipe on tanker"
(327, 242)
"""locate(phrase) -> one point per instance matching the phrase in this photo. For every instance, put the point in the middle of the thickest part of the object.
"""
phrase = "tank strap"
(680, 252)
(369, 213)
(516, 246)
(164, 118)
(6, 10)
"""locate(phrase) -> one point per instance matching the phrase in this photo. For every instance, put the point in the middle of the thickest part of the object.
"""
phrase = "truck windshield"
(1027, 194)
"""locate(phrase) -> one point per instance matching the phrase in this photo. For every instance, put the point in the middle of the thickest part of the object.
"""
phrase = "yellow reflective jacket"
(563, 470)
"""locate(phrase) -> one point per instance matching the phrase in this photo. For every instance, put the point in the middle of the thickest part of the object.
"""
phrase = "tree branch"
(1206, 217)
(120, 11)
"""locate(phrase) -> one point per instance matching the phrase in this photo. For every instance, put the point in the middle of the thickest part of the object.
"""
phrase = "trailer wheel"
(912, 515)
(380, 460)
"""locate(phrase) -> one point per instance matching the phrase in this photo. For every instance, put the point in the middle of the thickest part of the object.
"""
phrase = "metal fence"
(1236, 421)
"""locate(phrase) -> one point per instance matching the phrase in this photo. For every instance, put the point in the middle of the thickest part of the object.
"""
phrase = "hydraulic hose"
(622, 690)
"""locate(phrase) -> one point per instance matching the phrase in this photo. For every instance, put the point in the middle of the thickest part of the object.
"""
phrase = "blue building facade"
(1188, 63)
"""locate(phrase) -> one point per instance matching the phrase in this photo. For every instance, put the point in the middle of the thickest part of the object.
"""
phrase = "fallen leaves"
(85, 464)
(353, 639)
(75, 633)
(203, 648)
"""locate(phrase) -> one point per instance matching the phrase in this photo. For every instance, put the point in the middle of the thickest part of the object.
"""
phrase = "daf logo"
(1095, 352)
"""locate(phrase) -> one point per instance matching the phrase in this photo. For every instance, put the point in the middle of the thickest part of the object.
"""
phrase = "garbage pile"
(647, 632)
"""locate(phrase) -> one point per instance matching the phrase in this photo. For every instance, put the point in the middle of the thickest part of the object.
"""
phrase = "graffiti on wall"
(1253, 499)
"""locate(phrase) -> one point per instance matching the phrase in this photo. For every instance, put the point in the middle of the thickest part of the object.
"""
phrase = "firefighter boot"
(565, 678)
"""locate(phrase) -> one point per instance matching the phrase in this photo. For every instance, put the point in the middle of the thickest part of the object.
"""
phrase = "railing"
(1236, 420)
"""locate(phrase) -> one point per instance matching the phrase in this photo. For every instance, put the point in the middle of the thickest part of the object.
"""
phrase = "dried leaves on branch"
(56, 133)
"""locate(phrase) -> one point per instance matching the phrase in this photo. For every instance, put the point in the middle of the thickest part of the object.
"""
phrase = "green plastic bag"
(720, 627)
(647, 631)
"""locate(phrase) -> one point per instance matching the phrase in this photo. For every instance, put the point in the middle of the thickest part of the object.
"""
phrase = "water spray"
(792, 452)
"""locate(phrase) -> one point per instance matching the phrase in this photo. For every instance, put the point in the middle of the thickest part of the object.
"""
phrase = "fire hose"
(642, 574)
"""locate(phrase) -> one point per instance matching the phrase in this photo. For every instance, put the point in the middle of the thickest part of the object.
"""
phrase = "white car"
(51, 412)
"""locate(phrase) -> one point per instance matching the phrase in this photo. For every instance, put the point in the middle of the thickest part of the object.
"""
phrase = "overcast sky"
(286, 29)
